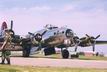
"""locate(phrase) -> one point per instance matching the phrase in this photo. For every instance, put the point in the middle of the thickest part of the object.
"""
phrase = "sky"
(82, 16)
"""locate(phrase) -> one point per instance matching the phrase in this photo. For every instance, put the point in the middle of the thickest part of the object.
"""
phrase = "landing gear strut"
(26, 47)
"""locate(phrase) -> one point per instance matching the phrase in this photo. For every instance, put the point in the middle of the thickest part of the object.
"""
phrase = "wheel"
(26, 51)
(26, 47)
(25, 54)
(49, 51)
(65, 54)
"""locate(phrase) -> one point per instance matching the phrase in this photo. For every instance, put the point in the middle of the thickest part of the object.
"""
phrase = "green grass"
(7, 68)
(92, 58)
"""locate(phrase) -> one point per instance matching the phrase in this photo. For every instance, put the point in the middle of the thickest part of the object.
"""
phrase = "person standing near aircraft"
(7, 44)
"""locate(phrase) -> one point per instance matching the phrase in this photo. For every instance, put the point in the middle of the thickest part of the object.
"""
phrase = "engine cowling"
(38, 37)
(69, 33)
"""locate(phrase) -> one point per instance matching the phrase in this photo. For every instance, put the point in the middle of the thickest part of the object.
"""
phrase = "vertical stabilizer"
(4, 26)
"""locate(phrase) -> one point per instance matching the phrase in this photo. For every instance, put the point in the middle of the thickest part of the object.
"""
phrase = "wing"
(101, 42)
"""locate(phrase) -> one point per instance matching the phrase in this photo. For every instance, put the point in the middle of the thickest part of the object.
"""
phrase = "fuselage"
(57, 37)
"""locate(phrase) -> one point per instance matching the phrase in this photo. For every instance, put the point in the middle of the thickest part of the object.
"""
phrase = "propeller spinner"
(38, 36)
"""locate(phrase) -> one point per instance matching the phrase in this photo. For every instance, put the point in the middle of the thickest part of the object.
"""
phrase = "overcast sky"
(82, 16)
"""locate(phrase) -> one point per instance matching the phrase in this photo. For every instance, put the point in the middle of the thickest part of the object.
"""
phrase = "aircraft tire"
(26, 51)
(65, 54)
(26, 45)
(49, 51)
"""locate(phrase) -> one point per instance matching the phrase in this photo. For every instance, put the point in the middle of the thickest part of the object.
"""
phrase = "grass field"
(7, 68)
(92, 58)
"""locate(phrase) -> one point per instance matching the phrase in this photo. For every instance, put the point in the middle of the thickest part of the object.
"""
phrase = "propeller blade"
(38, 37)
(44, 32)
(93, 47)
(76, 47)
(87, 35)
(97, 36)
(11, 24)
(31, 33)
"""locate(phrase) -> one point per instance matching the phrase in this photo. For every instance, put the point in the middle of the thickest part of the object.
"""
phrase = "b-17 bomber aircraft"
(63, 38)
(51, 37)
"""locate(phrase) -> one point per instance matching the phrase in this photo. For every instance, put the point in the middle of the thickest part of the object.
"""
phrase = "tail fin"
(4, 26)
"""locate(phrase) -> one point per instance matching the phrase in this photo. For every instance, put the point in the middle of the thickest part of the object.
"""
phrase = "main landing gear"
(69, 54)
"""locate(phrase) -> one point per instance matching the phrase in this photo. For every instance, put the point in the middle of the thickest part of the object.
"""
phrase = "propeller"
(38, 36)
(11, 32)
(11, 29)
(44, 32)
(87, 35)
(97, 37)
(11, 25)
(77, 41)
(92, 40)
(32, 34)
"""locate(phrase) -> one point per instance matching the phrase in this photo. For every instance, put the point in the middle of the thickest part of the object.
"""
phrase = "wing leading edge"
(101, 42)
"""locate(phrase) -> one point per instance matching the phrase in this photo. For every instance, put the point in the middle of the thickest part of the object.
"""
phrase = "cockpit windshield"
(49, 26)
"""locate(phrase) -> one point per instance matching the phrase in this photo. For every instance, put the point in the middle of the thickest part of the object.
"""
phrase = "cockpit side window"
(50, 28)
(58, 32)
(54, 33)
(62, 32)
